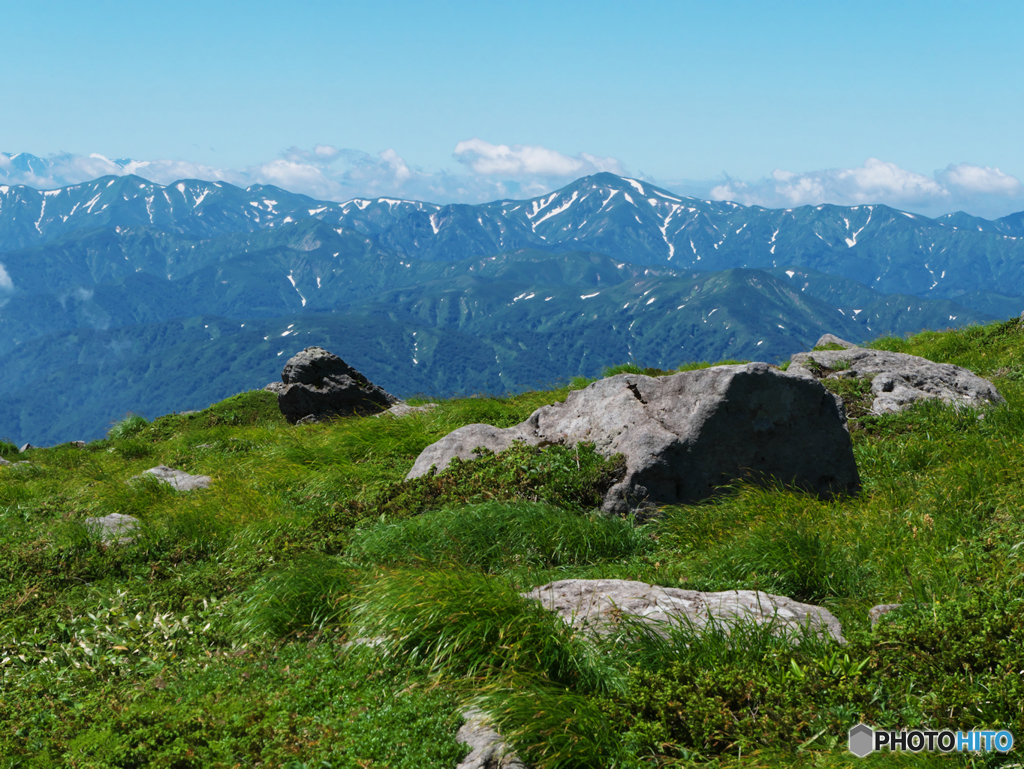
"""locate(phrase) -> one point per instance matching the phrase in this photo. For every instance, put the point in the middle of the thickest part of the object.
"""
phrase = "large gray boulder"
(319, 385)
(685, 435)
(597, 605)
(898, 380)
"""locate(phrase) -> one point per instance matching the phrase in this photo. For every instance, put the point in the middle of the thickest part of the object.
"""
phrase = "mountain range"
(120, 294)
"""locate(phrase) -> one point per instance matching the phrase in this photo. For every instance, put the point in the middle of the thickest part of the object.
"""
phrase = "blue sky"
(915, 104)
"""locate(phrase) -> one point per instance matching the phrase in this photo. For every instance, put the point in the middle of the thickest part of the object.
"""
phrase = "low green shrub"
(575, 478)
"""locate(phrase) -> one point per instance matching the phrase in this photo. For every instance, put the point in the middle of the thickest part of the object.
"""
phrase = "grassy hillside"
(221, 637)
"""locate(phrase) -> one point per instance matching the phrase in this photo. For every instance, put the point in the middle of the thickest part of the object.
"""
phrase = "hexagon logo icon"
(861, 740)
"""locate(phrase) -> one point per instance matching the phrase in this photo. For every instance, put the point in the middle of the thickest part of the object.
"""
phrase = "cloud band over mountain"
(494, 171)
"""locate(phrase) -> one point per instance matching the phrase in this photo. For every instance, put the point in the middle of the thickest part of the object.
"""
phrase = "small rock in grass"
(25, 448)
(877, 612)
(113, 529)
(179, 479)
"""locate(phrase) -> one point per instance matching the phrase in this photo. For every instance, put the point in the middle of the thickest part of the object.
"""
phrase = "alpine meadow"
(556, 385)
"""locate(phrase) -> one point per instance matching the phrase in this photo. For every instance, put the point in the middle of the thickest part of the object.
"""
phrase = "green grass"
(222, 635)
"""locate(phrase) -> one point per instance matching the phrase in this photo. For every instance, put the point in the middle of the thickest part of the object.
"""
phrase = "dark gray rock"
(113, 529)
(875, 613)
(596, 605)
(179, 479)
(319, 385)
(685, 435)
(489, 750)
(898, 380)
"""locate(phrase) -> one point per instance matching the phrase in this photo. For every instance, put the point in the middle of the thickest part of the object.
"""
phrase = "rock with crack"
(113, 529)
(597, 605)
(488, 749)
(898, 380)
(319, 385)
(684, 436)
(179, 479)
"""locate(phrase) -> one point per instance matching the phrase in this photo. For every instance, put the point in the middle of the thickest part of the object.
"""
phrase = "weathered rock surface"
(275, 387)
(113, 529)
(596, 604)
(685, 435)
(489, 751)
(898, 380)
(402, 409)
(319, 385)
(875, 613)
(827, 339)
(179, 479)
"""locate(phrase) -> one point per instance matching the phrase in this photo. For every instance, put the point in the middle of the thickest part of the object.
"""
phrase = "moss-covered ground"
(221, 636)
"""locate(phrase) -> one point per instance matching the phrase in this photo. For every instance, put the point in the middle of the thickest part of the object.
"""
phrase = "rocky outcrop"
(685, 435)
(597, 604)
(319, 385)
(898, 380)
(113, 529)
(179, 479)
(489, 750)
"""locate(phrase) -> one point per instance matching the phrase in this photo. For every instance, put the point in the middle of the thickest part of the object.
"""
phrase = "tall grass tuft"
(464, 623)
(500, 535)
(129, 427)
(306, 596)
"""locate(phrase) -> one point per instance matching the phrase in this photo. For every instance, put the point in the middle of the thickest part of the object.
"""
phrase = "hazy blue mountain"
(122, 295)
(893, 251)
(73, 361)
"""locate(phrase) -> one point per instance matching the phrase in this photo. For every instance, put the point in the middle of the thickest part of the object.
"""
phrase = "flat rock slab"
(597, 603)
(113, 529)
(898, 380)
(179, 479)
(684, 436)
(403, 409)
(489, 750)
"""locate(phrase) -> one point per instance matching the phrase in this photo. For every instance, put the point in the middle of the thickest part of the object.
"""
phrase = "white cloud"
(967, 187)
(6, 284)
(486, 159)
(979, 179)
